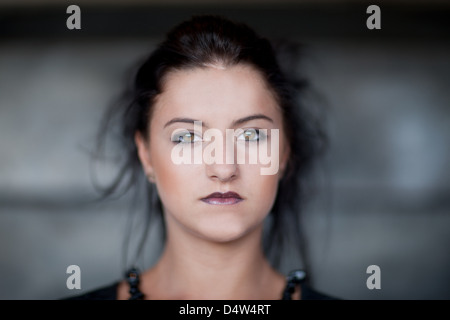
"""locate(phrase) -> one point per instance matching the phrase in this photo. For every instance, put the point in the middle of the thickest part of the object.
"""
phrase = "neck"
(194, 268)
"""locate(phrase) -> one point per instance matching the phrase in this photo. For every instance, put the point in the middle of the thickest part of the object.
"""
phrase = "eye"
(185, 137)
(249, 135)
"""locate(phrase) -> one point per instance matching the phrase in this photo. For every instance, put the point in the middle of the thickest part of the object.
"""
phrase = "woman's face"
(221, 98)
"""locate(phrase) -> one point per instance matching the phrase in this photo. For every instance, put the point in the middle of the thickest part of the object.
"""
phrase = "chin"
(225, 233)
(223, 239)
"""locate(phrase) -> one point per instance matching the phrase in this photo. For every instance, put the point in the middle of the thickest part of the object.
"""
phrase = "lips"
(219, 198)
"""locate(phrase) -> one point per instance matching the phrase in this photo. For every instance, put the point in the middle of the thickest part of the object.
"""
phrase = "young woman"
(207, 101)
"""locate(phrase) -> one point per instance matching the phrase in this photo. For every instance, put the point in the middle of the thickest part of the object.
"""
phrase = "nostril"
(222, 172)
(224, 178)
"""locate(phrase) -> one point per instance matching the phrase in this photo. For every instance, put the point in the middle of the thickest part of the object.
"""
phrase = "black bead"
(132, 277)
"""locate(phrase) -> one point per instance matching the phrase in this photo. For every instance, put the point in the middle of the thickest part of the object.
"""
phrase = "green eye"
(249, 135)
(185, 137)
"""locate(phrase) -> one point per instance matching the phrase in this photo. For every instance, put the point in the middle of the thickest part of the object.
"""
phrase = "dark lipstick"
(219, 198)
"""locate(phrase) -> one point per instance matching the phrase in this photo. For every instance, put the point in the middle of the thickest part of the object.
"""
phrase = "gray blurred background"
(383, 188)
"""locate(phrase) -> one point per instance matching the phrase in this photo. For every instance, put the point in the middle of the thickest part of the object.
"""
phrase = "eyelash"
(260, 136)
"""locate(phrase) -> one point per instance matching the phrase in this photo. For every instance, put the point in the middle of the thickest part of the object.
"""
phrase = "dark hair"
(212, 39)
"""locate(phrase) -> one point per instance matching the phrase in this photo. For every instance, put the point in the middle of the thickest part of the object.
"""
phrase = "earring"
(150, 177)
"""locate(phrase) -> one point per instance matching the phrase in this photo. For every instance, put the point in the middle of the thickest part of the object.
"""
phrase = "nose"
(222, 172)
(223, 165)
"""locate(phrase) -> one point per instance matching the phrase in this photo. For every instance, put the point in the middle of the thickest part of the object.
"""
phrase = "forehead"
(215, 94)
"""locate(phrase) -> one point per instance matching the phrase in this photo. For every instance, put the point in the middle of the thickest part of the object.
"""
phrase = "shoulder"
(298, 279)
(308, 293)
(103, 293)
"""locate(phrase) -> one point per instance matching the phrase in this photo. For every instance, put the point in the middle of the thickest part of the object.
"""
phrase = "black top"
(296, 277)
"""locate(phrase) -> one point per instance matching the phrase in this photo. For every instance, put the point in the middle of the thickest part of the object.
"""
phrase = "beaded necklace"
(294, 278)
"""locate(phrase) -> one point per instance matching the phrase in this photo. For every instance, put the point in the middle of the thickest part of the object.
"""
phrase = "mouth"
(219, 198)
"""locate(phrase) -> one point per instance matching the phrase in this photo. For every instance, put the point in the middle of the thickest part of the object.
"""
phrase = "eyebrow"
(235, 122)
(252, 117)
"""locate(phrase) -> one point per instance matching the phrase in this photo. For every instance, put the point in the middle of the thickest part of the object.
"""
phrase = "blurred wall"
(384, 191)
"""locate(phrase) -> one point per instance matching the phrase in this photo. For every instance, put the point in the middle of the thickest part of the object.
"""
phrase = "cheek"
(167, 174)
(263, 188)
(173, 181)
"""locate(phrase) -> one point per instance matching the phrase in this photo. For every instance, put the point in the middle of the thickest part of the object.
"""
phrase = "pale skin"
(212, 251)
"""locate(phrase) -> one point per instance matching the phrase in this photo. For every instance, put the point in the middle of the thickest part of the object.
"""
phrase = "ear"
(144, 155)
(283, 162)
